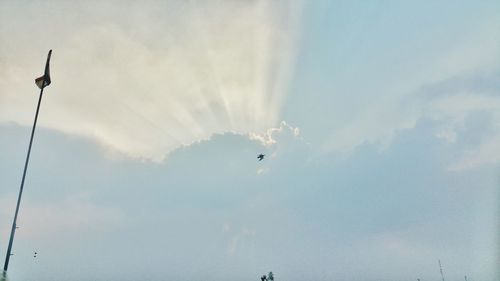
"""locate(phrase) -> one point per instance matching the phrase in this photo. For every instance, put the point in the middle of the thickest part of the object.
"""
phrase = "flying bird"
(260, 157)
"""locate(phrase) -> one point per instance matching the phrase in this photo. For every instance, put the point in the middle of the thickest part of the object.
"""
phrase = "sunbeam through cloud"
(219, 67)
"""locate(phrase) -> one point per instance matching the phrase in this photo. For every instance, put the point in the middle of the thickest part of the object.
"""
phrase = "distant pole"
(441, 270)
(45, 81)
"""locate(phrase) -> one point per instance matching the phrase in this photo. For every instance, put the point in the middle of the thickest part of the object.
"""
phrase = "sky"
(380, 122)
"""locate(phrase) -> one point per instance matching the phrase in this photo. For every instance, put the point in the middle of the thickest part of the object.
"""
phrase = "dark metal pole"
(14, 226)
(441, 270)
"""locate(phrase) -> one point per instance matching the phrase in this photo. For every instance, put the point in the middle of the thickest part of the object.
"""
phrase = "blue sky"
(379, 121)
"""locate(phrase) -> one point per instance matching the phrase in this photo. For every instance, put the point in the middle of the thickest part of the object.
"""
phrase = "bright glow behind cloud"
(146, 79)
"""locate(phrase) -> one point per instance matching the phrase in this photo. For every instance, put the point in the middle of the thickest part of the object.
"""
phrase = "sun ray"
(220, 67)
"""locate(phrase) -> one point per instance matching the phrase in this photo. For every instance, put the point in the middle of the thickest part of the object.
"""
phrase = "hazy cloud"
(149, 82)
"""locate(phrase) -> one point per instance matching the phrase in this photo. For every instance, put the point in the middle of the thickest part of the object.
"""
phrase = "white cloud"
(262, 171)
(377, 115)
(477, 52)
(273, 135)
(73, 215)
(453, 111)
(486, 153)
(152, 82)
(242, 236)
